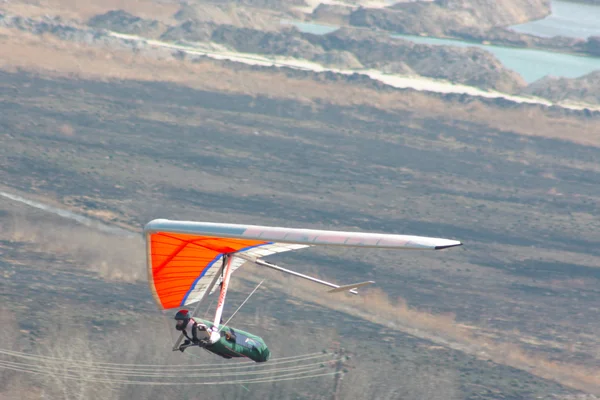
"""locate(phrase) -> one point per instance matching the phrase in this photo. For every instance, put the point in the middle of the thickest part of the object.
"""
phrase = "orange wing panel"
(180, 261)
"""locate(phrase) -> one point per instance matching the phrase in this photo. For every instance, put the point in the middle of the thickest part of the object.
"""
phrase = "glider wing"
(184, 258)
(181, 267)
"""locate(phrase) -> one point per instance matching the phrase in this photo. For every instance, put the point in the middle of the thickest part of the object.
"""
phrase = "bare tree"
(147, 341)
(68, 360)
(10, 381)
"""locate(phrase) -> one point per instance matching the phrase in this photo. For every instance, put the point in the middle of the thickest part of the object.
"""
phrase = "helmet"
(182, 317)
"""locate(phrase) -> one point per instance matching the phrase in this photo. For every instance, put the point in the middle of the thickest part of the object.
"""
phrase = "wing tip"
(447, 246)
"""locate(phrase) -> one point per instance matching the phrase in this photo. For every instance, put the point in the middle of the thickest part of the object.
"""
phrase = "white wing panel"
(201, 285)
(259, 252)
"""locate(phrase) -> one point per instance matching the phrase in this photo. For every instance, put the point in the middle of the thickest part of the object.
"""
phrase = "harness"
(194, 337)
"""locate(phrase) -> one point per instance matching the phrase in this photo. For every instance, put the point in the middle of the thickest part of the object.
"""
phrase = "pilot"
(190, 329)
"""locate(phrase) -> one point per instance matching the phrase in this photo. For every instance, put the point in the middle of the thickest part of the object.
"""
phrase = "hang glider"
(186, 260)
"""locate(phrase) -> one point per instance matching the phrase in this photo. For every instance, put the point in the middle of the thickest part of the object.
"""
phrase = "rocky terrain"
(471, 66)
(466, 20)
(440, 17)
(264, 14)
(506, 37)
(585, 88)
(345, 48)
(359, 49)
(120, 21)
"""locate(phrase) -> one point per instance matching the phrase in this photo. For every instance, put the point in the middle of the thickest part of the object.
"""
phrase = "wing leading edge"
(310, 237)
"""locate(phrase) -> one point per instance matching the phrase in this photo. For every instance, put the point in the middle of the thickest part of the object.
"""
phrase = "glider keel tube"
(336, 288)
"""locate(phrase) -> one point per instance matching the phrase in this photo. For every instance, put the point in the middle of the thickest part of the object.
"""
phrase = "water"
(567, 19)
(530, 64)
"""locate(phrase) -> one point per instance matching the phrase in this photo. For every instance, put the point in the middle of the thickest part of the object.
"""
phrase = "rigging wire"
(209, 307)
(238, 309)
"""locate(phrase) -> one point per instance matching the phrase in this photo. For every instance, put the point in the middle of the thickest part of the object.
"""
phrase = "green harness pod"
(236, 343)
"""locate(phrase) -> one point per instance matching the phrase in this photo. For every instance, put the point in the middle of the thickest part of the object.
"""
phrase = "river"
(529, 63)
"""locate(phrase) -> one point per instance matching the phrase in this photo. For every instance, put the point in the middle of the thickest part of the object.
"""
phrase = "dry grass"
(83, 10)
(48, 56)
(575, 376)
(374, 305)
(572, 375)
(111, 257)
(11, 382)
(163, 11)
